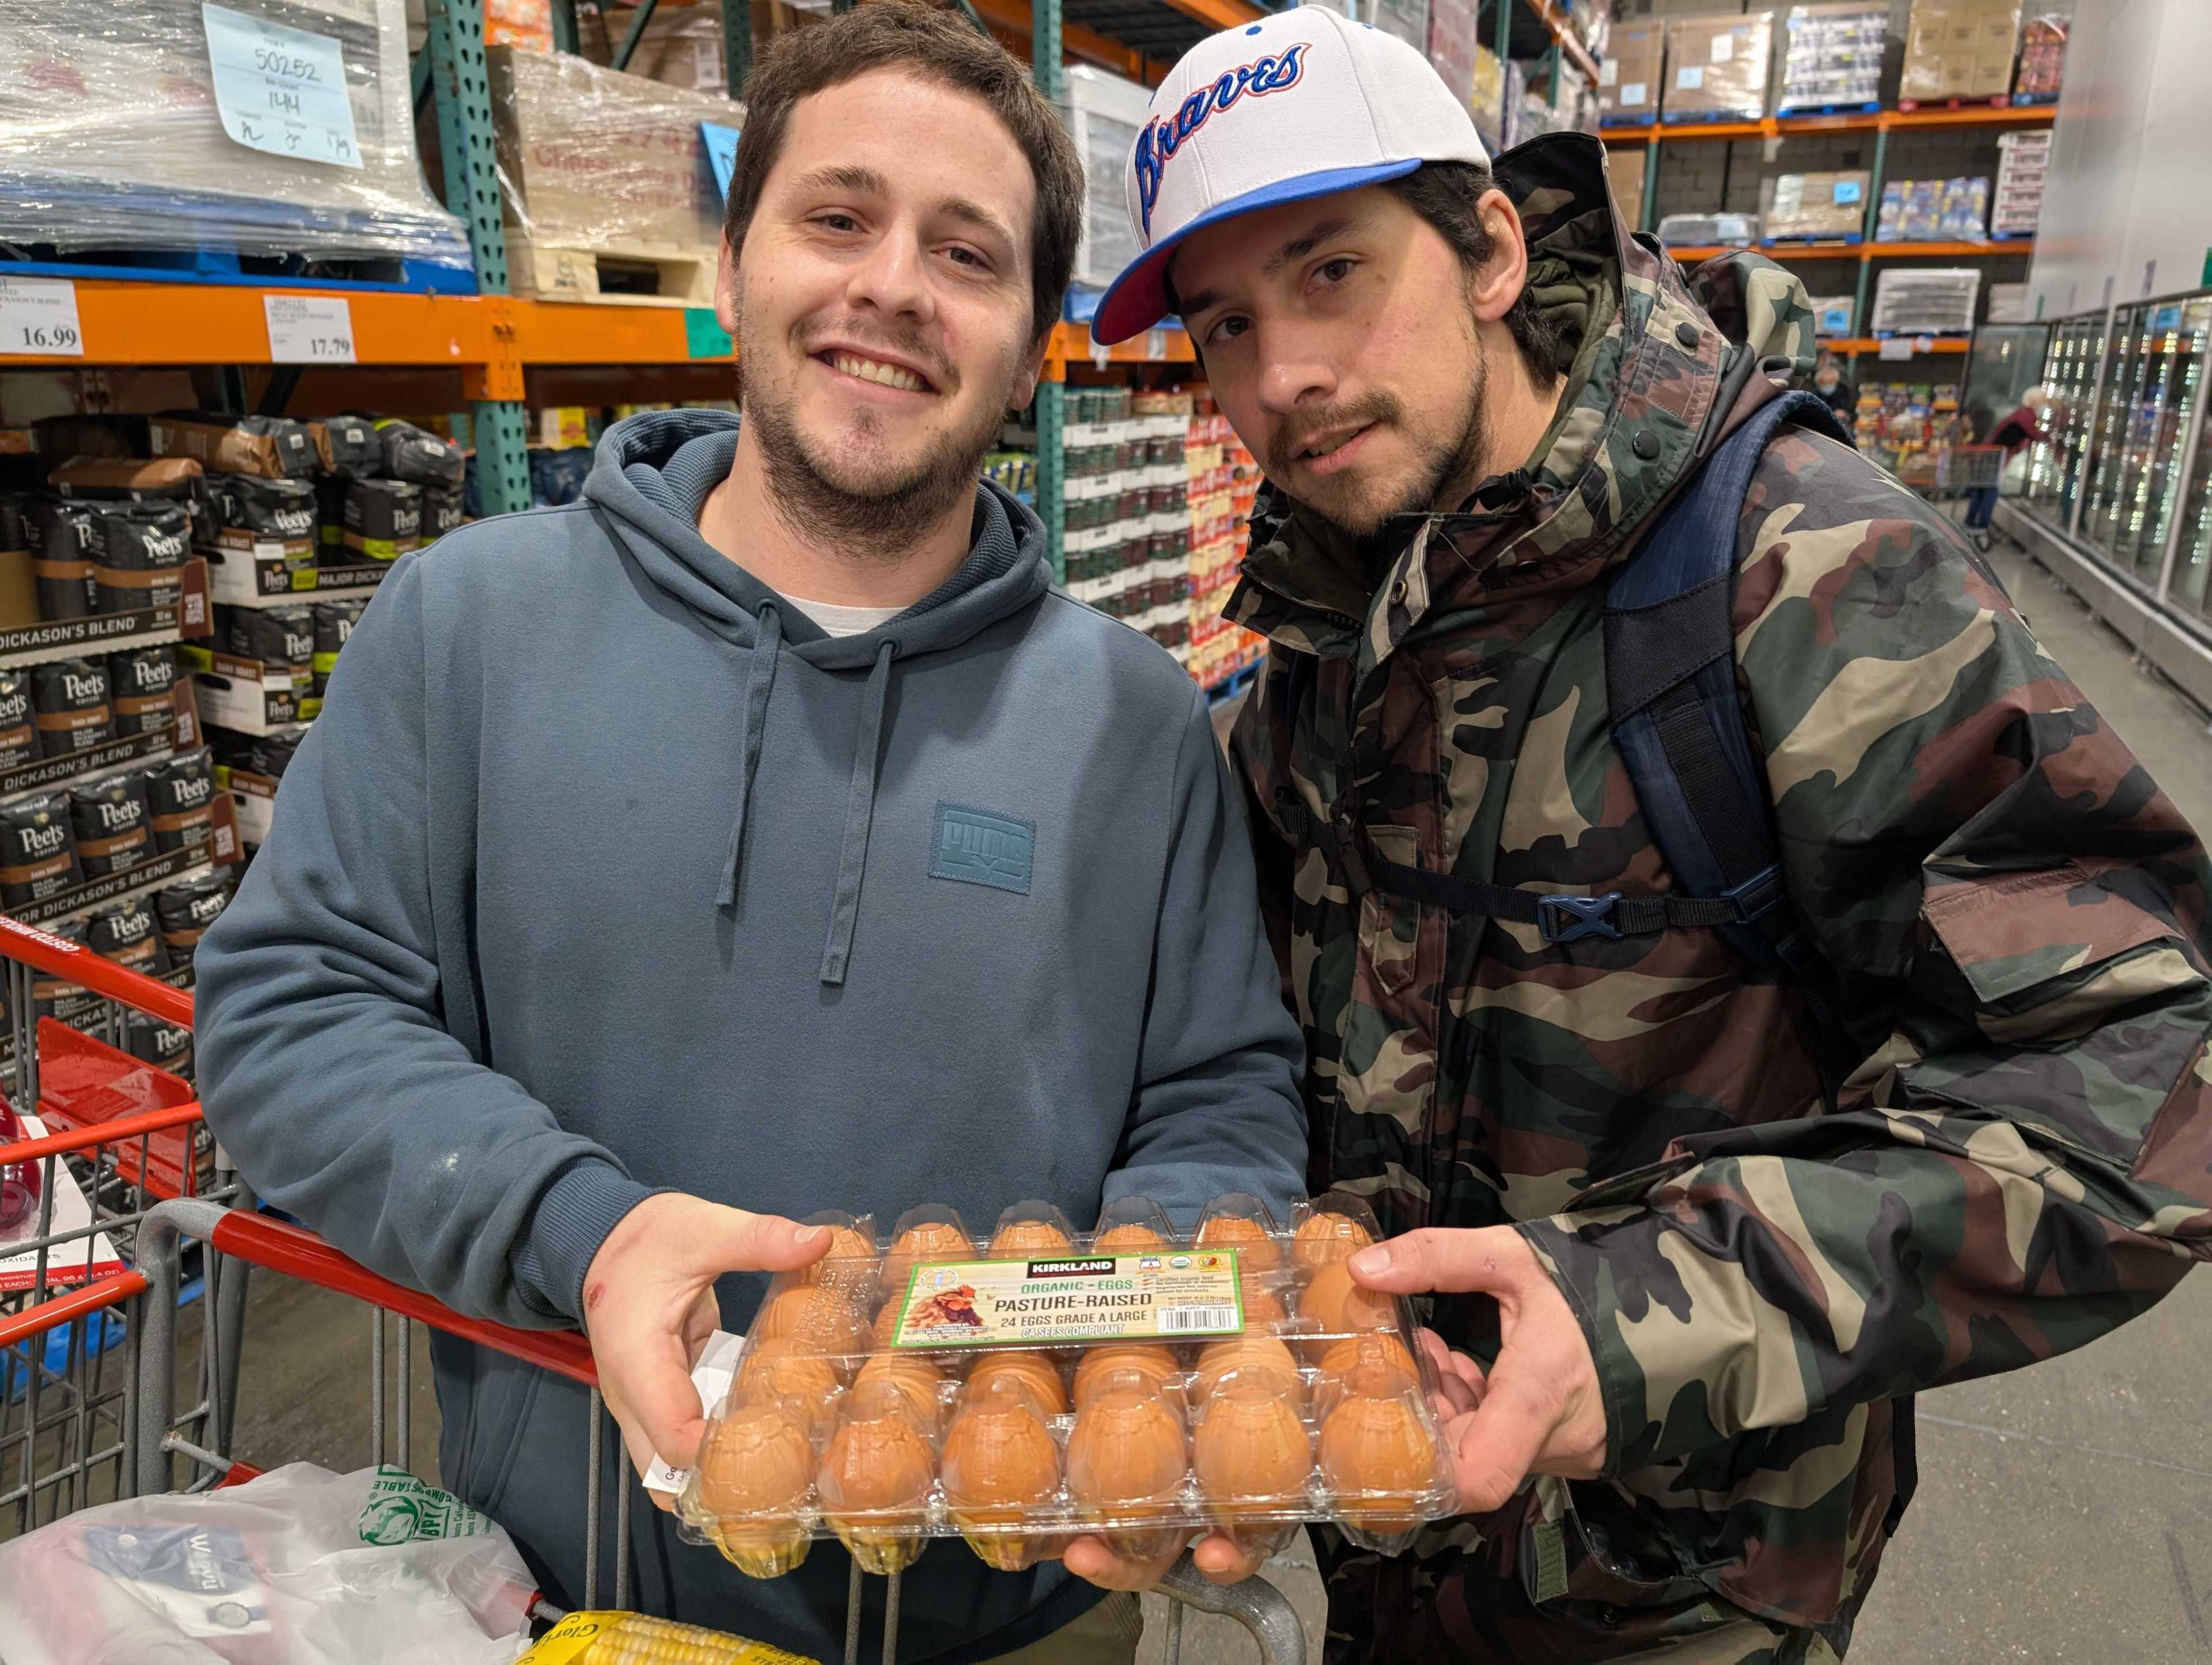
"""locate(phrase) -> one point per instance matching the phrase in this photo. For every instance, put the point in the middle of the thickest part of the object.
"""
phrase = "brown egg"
(1126, 1458)
(1128, 1365)
(913, 1380)
(1250, 1358)
(782, 1372)
(874, 1485)
(1264, 1310)
(754, 1469)
(1000, 1465)
(1252, 1453)
(1334, 1306)
(882, 1334)
(1377, 1365)
(1032, 1374)
(931, 1239)
(1132, 1238)
(1377, 1456)
(1255, 1250)
(850, 1264)
(1029, 1240)
(819, 1318)
(1321, 1238)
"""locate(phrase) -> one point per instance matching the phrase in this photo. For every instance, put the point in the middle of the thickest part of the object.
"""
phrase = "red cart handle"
(300, 1253)
(57, 956)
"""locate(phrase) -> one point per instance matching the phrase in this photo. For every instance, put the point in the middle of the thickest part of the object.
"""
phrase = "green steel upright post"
(462, 88)
(564, 26)
(1552, 73)
(737, 45)
(1651, 149)
(1862, 324)
(1505, 47)
(1051, 396)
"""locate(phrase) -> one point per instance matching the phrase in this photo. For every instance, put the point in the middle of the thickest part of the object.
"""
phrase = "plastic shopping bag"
(299, 1567)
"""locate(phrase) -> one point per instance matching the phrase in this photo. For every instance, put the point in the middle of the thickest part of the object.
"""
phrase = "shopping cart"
(113, 1136)
(1963, 468)
(241, 1238)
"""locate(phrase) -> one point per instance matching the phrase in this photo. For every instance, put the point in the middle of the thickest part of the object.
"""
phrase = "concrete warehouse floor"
(2065, 1513)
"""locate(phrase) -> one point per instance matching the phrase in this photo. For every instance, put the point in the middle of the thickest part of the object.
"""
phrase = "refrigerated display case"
(2002, 362)
(2069, 376)
(2155, 379)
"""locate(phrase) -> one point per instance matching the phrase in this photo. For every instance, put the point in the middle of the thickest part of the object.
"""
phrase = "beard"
(1451, 450)
(869, 503)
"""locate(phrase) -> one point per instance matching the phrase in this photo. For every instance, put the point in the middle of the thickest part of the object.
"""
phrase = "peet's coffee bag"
(441, 512)
(181, 792)
(141, 687)
(19, 734)
(383, 519)
(38, 858)
(125, 479)
(277, 638)
(415, 454)
(57, 997)
(165, 1046)
(329, 515)
(109, 817)
(70, 698)
(334, 622)
(184, 910)
(272, 754)
(348, 445)
(270, 519)
(138, 556)
(63, 563)
(274, 447)
(125, 934)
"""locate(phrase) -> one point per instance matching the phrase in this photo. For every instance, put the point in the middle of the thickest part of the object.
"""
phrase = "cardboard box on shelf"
(1628, 75)
(1832, 55)
(1959, 49)
(1717, 67)
(1819, 204)
(1624, 166)
(682, 46)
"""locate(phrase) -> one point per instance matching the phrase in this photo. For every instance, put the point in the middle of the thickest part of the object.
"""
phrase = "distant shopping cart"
(1963, 468)
(242, 1237)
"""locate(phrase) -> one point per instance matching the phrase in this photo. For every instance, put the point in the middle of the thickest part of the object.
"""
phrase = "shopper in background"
(1838, 395)
(2014, 432)
(1700, 1208)
(756, 837)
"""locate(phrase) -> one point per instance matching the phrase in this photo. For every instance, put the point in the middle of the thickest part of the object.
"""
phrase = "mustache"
(902, 345)
(1289, 438)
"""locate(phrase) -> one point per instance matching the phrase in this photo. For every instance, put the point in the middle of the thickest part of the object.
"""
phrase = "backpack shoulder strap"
(1670, 688)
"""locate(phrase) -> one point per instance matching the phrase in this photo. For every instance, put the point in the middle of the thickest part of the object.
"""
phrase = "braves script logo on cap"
(1165, 135)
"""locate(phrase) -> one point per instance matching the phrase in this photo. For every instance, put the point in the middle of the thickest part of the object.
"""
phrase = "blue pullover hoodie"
(604, 870)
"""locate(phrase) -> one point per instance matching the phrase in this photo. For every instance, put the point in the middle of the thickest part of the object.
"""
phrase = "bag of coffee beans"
(271, 754)
(274, 447)
(165, 1046)
(383, 519)
(15, 522)
(57, 997)
(270, 519)
(142, 689)
(277, 638)
(138, 553)
(334, 622)
(18, 735)
(348, 445)
(69, 697)
(184, 910)
(179, 792)
(125, 934)
(38, 858)
(329, 515)
(441, 512)
(109, 817)
(63, 565)
(413, 454)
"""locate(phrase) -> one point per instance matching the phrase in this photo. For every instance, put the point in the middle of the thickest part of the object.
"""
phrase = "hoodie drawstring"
(751, 726)
(860, 814)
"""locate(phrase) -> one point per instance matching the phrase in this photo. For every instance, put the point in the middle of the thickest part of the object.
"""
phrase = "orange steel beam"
(1012, 17)
(1569, 44)
(134, 323)
(1976, 116)
(1071, 344)
(1219, 13)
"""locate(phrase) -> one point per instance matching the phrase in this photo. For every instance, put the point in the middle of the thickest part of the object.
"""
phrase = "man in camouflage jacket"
(1774, 1218)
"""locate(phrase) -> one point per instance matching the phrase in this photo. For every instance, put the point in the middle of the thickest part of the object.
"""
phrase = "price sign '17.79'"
(38, 315)
(280, 89)
(308, 329)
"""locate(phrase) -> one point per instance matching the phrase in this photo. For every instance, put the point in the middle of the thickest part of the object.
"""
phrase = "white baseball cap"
(1303, 104)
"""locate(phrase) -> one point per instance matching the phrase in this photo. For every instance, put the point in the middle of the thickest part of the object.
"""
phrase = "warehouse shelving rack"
(1655, 136)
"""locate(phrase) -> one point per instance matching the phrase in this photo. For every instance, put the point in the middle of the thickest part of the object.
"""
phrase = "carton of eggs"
(1024, 1386)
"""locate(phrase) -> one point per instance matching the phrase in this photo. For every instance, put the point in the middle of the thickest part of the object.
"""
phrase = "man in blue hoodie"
(755, 836)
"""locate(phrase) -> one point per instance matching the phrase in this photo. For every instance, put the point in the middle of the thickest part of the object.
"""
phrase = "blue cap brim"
(1138, 299)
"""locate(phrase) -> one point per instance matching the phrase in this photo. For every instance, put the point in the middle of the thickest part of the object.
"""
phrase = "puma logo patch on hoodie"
(977, 847)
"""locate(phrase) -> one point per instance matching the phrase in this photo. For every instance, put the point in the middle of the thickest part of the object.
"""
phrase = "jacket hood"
(651, 473)
(649, 479)
(1660, 365)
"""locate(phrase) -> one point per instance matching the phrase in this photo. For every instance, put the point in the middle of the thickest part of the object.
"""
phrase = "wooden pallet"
(620, 274)
(1988, 101)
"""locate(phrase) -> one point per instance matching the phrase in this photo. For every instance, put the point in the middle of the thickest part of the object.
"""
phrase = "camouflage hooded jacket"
(2014, 1153)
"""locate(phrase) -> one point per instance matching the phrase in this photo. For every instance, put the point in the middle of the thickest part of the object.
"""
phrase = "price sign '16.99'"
(38, 315)
(308, 330)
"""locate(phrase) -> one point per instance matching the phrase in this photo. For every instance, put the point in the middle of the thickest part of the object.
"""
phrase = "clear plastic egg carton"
(1044, 1384)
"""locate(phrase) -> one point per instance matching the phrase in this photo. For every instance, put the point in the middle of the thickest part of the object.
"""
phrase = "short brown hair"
(944, 47)
(1444, 194)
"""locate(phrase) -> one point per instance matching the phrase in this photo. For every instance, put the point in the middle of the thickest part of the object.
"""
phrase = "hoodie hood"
(649, 480)
(1659, 367)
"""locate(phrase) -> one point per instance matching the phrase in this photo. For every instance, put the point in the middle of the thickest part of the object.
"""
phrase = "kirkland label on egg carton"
(1102, 1298)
